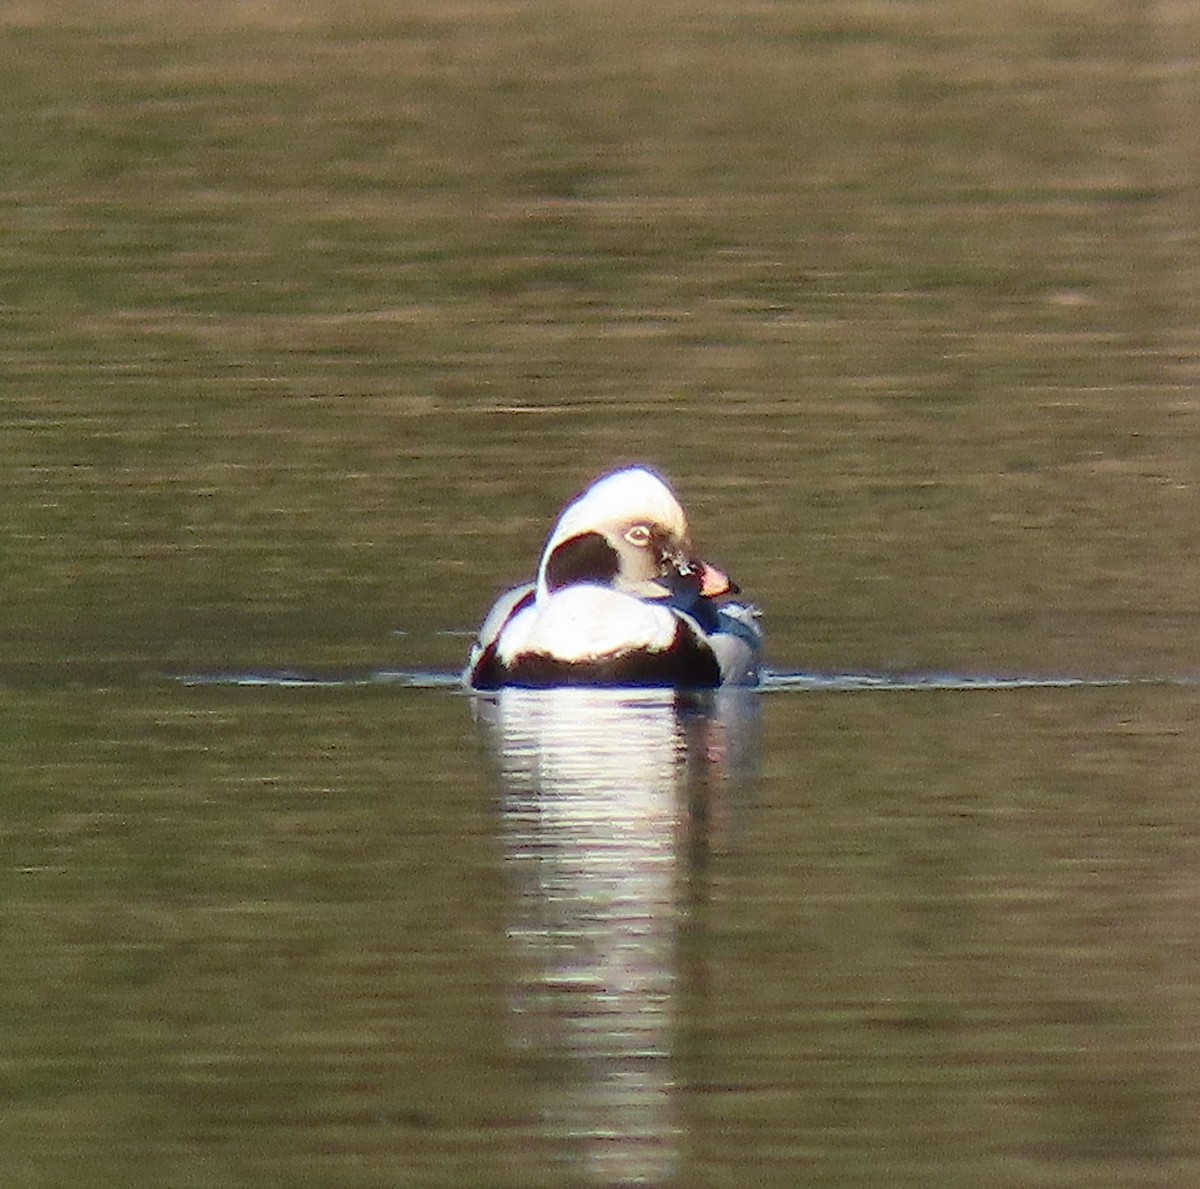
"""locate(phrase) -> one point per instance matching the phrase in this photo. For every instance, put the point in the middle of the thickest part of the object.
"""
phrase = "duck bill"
(714, 582)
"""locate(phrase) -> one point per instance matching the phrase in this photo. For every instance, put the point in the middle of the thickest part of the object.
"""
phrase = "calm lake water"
(313, 317)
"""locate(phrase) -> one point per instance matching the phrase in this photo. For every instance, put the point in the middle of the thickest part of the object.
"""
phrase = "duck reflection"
(611, 800)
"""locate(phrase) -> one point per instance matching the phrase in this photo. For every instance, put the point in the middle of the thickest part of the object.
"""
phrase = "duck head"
(629, 531)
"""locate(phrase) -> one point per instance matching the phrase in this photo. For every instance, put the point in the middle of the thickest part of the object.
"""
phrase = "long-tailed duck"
(620, 599)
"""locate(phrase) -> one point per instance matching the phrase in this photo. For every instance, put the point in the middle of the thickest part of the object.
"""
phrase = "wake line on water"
(773, 681)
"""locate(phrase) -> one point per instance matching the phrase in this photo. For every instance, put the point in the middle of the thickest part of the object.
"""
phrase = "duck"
(620, 599)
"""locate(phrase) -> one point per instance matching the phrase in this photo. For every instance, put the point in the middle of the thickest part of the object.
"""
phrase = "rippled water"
(314, 318)
(347, 934)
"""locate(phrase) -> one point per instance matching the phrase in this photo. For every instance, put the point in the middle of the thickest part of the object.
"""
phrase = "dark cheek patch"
(587, 557)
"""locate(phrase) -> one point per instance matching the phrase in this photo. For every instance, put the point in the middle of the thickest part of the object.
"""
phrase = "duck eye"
(638, 534)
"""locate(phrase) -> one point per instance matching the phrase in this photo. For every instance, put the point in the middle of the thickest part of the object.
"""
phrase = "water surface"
(348, 936)
(312, 319)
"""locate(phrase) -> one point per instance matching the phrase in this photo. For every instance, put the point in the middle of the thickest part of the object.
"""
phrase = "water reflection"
(610, 797)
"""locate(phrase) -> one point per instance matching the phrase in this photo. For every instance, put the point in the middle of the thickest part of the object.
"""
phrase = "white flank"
(586, 622)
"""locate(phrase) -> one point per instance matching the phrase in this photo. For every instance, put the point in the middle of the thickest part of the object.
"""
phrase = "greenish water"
(312, 317)
(335, 938)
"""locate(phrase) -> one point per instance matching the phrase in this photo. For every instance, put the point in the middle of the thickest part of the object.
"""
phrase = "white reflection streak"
(594, 786)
